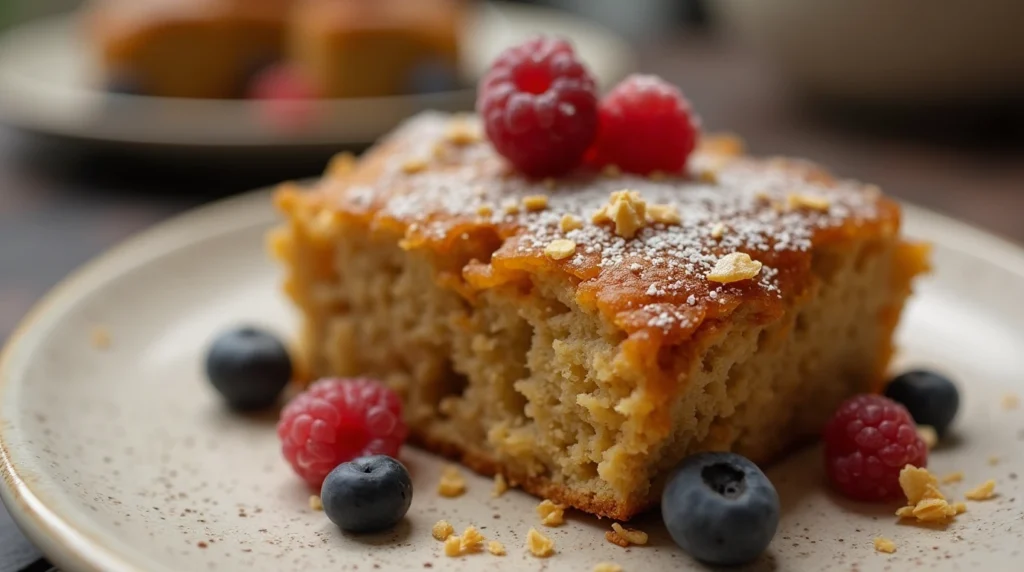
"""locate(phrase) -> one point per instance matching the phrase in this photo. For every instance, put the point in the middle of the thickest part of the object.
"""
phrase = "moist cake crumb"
(496, 548)
(538, 544)
(734, 267)
(315, 502)
(551, 514)
(984, 491)
(500, 485)
(630, 535)
(452, 483)
(441, 530)
(885, 545)
(607, 567)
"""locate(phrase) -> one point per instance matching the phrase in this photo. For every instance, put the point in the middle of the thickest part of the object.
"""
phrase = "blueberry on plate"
(720, 508)
(368, 494)
(931, 398)
(249, 367)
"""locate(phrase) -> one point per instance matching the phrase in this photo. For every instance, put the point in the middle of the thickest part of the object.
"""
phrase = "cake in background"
(217, 49)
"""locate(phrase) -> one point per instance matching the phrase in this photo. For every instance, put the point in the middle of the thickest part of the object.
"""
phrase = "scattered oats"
(100, 337)
(414, 165)
(812, 202)
(510, 207)
(315, 503)
(452, 484)
(614, 538)
(665, 214)
(471, 540)
(933, 510)
(993, 460)
(500, 485)
(630, 535)
(534, 203)
(717, 231)
(627, 210)
(984, 491)
(914, 482)
(560, 249)
(734, 267)
(607, 567)
(341, 165)
(611, 171)
(442, 530)
(538, 544)
(885, 545)
(496, 548)
(453, 546)
(551, 514)
(485, 210)
(462, 132)
(1011, 401)
(954, 477)
(569, 223)
(928, 435)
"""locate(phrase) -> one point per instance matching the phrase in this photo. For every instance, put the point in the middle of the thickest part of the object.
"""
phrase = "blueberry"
(432, 76)
(368, 494)
(931, 398)
(249, 367)
(720, 508)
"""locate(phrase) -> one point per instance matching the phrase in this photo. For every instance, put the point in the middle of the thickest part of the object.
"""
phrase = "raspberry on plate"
(868, 441)
(645, 125)
(338, 420)
(539, 107)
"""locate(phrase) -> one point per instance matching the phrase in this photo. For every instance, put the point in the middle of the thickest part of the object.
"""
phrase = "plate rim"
(75, 549)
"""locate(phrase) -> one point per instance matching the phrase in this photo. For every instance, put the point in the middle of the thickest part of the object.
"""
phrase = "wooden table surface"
(58, 208)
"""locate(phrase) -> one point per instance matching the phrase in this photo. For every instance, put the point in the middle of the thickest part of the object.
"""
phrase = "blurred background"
(925, 99)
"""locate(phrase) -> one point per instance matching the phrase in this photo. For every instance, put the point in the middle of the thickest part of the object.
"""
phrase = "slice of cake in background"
(583, 335)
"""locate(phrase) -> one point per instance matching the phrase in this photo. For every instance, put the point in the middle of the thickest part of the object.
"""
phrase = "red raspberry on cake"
(646, 125)
(868, 441)
(338, 420)
(539, 107)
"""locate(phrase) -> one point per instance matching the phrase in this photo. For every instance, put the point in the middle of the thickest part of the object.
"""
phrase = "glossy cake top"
(658, 254)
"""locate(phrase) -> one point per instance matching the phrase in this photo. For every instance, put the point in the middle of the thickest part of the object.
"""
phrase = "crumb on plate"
(984, 491)
(538, 544)
(885, 545)
(99, 337)
(496, 548)
(551, 514)
(607, 567)
(500, 485)
(452, 483)
(442, 530)
(315, 502)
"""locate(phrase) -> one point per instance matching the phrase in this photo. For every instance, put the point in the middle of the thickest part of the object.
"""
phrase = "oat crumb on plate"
(315, 502)
(452, 483)
(551, 514)
(984, 491)
(538, 544)
(607, 567)
(625, 536)
(928, 435)
(100, 337)
(496, 548)
(925, 502)
(500, 485)
(885, 545)
(471, 540)
(442, 530)
(954, 477)
(453, 546)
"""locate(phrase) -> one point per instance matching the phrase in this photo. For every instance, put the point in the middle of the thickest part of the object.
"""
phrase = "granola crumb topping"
(885, 545)
(452, 483)
(461, 132)
(627, 210)
(442, 530)
(734, 267)
(718, 231)
(569, 223)
(984, 491)
(812, 202)
(538, 544)
(560, 249)
(485, 210)
(551, 514)
(414, 165)
(535, 203)
(665, 214)
(315, 502)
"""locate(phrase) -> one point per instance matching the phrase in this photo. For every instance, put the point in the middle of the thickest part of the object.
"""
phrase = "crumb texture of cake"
(585, 377)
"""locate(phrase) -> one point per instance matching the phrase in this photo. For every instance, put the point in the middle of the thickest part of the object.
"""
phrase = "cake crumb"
(611, 171)
(551, 514)
(535, 203)
(560, 249)
(928, 435)
(993, 460)
(611, 536)
(471, 540)
(914, 481)
(984, 491)
(414, 165)
(538, 544)
(885, 545)
(100, 337)
(630, 535)
(933, 510)
(485, 210)
(569, 223)
(718, 231)
(812, 202)
(665, 214)
(960, 507)
(496, 548)
(607, 567)
(500, 485)
(452, 484)
(315, 502)
(954, 477)
(453, 546)
(341, 165)
(510, 207)
(627, 210)
(734, 267)
(1011, 401)
(461, 132)
(442, 530)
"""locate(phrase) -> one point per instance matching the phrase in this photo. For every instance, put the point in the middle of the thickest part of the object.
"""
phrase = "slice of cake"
(581, 336)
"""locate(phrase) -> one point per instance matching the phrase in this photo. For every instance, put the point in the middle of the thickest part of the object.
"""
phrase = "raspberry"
(645, 125)
(286, 97)
(338, 420)
(868, 441)
(539, 107)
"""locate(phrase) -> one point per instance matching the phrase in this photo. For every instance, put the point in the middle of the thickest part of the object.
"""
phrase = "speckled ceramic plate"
(118, 456)
(47, 86)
